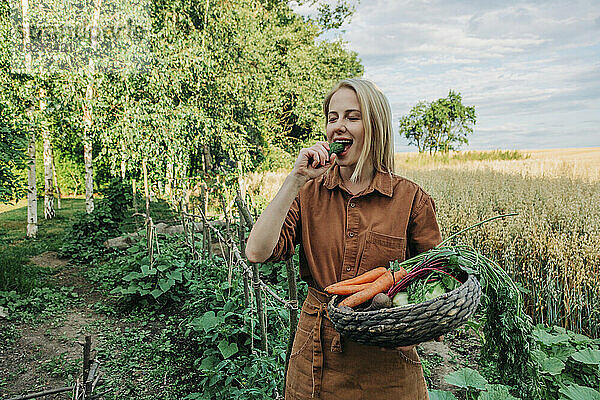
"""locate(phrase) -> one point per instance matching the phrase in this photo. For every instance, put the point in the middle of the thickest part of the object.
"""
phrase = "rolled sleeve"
(289, 235)
(423, 230)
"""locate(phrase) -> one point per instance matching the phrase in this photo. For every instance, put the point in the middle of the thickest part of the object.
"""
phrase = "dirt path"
(47, 355)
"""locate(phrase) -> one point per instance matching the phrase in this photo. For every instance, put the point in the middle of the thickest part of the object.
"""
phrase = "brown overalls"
(342, 235)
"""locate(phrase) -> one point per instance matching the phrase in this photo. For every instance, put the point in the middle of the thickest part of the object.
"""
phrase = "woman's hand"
(313, 162)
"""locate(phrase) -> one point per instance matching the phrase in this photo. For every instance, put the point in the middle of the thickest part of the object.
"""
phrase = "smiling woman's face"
(345, 124)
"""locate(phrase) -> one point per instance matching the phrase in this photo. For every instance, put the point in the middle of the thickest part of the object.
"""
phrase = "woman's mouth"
(347, 144)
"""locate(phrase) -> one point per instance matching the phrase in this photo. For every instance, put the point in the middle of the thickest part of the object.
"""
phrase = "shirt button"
(351, 234)
(352, 205)
(348, 268)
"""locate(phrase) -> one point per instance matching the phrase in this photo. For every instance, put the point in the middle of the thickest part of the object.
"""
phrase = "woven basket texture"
(410, 324)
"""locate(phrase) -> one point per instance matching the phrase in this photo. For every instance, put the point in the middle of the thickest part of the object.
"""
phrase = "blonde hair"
(378, 146)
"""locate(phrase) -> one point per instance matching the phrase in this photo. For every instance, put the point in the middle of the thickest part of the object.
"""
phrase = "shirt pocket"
(380, 249)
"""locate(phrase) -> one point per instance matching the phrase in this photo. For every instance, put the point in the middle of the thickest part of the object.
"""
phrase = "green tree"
(13, 139)
(441, 125)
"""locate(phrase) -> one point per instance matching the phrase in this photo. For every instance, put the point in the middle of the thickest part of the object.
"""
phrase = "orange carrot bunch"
(364, 287)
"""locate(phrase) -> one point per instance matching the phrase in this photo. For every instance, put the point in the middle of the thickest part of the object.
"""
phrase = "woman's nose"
(340, 126)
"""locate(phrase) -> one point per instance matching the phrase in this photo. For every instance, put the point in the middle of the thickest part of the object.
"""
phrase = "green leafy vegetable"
(336, 148)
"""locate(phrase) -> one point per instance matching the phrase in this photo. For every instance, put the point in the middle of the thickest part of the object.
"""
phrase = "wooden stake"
(44, 393)
(293, 290)
(262, 319)
(205, 228)
(242, 240)
(148, 221)
(146, 189)
(87, 348)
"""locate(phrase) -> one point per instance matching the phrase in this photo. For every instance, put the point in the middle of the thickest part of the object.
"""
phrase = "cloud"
(530, 68)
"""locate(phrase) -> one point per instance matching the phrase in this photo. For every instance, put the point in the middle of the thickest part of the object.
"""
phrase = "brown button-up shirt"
(342, 235)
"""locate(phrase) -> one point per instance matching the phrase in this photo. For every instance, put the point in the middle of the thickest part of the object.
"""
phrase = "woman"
(349, 213)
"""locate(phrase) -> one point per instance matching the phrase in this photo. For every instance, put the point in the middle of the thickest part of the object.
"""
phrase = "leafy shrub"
(117, 196)
(567, 362)
(85, 238)
(163, 281)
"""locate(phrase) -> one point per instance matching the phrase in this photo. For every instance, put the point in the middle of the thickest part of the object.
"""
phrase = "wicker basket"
(410, 324)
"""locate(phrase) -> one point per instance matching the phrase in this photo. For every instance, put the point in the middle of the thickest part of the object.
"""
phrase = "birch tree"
(87, 113)
(32, 225)
(49, 212)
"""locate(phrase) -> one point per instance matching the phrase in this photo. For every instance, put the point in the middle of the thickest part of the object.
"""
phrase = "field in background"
(577, 164)
(552, 247)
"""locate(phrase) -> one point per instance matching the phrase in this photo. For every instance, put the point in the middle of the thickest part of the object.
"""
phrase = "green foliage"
(118, 197)
(576, 392)
(476, 386)
(60, 366)
(84, 240)
(13, 124)
(441, 395)
(209, 336)
(41, 302)
(163, 281)
(334, 17)
(442, 125)
(509, 342)
(566, 359)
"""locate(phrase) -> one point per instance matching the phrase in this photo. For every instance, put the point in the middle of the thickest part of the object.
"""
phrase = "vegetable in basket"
(365, 291)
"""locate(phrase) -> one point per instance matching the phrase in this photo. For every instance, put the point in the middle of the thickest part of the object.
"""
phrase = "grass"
(16, 272)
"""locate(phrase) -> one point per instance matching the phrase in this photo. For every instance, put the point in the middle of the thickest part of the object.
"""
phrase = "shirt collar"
(382, 182)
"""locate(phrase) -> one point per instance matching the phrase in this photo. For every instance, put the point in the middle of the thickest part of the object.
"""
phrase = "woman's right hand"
(313, 162)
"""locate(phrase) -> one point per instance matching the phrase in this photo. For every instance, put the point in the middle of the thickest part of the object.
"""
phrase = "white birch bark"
(49, 212)
(32, 226)
(87, 114)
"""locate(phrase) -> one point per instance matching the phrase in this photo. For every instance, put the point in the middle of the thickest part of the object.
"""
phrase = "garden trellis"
(193, 215)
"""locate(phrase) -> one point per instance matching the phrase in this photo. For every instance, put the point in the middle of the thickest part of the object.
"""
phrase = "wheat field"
(577, 164)
(552, 247)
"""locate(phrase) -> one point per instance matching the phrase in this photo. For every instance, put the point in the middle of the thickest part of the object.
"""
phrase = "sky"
(530, 68)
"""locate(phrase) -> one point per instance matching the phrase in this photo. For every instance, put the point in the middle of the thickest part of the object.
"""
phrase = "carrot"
(382, 284)
(346, 289)
(368, 277)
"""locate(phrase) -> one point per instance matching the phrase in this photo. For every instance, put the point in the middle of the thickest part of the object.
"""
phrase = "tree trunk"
(123, 162)
(87, 114)
(49, 212)
(32, 226)
(241, 180)
(55, 179)
(169, 182)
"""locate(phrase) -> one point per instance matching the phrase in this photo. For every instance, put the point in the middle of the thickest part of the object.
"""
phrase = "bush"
(84, 240)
